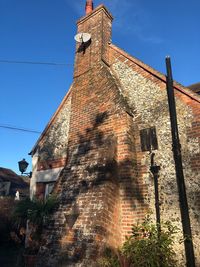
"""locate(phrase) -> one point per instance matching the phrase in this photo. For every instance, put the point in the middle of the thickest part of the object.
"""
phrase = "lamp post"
(149, 142)
(23, 164)
(155, 171)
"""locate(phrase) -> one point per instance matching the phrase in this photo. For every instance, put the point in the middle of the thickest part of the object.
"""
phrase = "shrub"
(37, 213)
(109, 259)
(7, 205)
(151, 245)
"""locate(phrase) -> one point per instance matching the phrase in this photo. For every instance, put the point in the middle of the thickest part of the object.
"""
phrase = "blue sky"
(43, 31)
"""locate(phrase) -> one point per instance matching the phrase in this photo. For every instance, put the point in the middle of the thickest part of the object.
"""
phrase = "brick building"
(90, 152)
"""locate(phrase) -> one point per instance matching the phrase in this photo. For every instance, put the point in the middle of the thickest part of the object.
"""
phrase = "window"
(44, 189)
(48, 189)
(148, 139)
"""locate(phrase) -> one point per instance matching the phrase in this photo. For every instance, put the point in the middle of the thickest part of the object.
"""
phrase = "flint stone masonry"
(149, 101)
(53, 146)
(105, 185)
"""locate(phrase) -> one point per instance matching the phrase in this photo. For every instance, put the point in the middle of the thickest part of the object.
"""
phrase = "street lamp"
(23, 164)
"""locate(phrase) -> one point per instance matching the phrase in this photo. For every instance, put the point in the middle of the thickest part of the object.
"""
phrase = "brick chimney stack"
(88, 7)
(97, 22)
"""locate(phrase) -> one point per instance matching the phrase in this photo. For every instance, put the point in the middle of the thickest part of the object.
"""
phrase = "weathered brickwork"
(98, 24)
(98, 187)
(105, 185)
(100, 192)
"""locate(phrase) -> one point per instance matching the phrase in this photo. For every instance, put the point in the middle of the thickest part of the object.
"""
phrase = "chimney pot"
(88, 7)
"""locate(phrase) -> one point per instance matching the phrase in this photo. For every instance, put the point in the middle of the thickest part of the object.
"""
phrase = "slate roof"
(195, 87)
(7, 175)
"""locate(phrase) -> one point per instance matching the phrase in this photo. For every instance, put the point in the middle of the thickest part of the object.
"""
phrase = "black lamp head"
(23, 165)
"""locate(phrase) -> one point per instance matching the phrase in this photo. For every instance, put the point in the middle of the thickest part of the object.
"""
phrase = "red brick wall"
(98, 24)
(101, 188)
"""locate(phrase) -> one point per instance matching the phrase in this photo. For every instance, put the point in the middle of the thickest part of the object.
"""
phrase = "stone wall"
(148, 97)
(52, 148)
(49, 155)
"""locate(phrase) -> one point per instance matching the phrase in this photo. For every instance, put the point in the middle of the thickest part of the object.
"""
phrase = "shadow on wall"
(92, 168)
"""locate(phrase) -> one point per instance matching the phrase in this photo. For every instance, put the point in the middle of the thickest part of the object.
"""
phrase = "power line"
(15, 128)
(35, 63)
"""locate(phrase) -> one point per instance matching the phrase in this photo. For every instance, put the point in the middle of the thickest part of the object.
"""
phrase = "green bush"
(7, 205)
(109, 259)
(151, 245)
(36, 212)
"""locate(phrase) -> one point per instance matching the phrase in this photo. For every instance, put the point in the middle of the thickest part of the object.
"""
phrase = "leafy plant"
(109, 259)
(36, 213)
(151, 245)
(7, 205)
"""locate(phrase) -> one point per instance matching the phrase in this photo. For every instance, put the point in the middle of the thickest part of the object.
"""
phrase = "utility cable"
(35, 63)
(15, 128)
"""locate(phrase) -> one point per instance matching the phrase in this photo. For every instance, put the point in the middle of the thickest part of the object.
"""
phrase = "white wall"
(45, 176)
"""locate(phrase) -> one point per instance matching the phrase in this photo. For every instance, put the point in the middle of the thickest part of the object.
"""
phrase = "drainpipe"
(176, 147)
